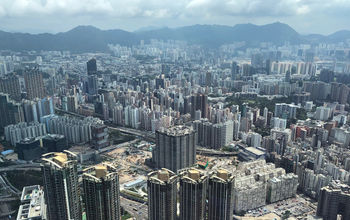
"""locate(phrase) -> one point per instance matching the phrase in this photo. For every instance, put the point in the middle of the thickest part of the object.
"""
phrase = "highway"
(136, 209)
(32, 166)
(113, 147)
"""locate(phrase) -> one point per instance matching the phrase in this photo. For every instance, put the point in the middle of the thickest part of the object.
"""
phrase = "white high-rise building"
(323, 113)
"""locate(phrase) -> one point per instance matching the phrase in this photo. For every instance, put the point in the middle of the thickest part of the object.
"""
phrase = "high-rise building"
(175, 148)
(162, 195)
(193, 194)
(10, 85)
(10, 111)
(61, 186)
(220, 197)
(214, 135)
(334, 200)
(17, 132)
(101, 193)
(72, 103)
(199, 102)
(34, 84)
(91, 66)
(99, 136)
(92, 85)
(287, 111)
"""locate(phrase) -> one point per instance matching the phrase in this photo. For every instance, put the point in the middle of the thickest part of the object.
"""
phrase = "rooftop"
(177, 130)
(33, 205)
(255, 151)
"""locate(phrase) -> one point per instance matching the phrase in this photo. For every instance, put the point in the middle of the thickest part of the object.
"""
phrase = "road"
(8, 185)
(136, 209)
(31, 166)
(147, 135)
(113, 147)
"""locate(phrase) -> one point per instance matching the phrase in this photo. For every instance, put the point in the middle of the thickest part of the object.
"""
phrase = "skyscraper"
(175, 148)
(193, 194)
(101, 193)
(220, 198)
(91, 66)
(34, 84)
(92, 85)
(162, 193)
(61, 186)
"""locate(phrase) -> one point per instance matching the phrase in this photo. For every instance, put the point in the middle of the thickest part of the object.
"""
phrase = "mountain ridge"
(87, 38)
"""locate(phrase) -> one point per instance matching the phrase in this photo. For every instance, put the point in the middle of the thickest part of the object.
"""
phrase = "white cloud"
(167, 8)
(171, 12)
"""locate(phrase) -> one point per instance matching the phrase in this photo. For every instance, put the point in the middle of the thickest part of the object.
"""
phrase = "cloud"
(169, 8)
(172, 12)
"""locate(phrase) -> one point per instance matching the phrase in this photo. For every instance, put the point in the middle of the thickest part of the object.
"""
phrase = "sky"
(52, 16)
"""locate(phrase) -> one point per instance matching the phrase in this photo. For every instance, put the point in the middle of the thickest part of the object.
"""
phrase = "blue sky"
(306, 16)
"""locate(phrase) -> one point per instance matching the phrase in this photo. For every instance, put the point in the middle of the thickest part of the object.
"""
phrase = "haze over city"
(174, 110)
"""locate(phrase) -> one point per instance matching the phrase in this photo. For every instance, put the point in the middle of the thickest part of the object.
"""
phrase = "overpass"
(20, 167)
(216, 153)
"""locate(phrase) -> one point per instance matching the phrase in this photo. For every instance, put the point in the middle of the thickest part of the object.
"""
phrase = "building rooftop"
(162, 176)
(99, 172)
(177, 130)
(33, 204)
(255, 151)
(59, 159)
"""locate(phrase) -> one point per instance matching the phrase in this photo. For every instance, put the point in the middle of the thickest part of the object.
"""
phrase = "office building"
(101, 193)
(33, 205)
(162, 195)
(193, 194)
(54, 143)
(61, 187)
(34, 84)
(91, 67)
(92, 85)
(30, 149)
(220, 197)
(334, 200)
(175, 148)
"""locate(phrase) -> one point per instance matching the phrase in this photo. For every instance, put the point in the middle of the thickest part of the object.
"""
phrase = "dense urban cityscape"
(186, 127)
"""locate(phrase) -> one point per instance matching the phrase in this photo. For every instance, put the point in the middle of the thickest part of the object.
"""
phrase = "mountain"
(339, 36)
(217, 35)
(92, 39)
(79, 39)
